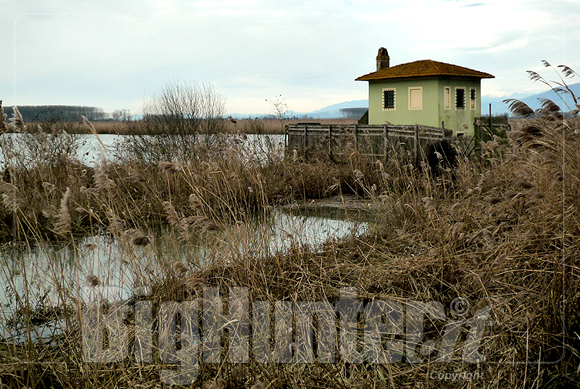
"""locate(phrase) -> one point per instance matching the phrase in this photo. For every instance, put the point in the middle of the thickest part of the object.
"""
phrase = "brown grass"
(241, 126)
(500, 231)
(274, 126)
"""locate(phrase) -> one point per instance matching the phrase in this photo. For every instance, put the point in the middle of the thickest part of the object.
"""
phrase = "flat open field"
(273, 126)
(245, 126)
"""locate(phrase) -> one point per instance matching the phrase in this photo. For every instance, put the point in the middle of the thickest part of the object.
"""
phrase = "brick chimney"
(383, 59)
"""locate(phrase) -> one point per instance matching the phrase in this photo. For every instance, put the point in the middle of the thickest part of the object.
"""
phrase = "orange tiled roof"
(423, 68)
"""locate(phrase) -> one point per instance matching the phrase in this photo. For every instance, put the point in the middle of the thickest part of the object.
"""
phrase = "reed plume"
(12, 203)
(519, 108)
(172, 216)
(102, 181)
(16, 122)
(89, 125)
(63, 224)
(6, 186)
(93, 131)
(11, 196)
(179, 268)
(174, 220)
(203, 223)
(167, 167)
(138, 238)
(525, 184)
(428, 203)
(195, 202)
(550, 110)
(116, 224)
(49, 187)
(93, 280)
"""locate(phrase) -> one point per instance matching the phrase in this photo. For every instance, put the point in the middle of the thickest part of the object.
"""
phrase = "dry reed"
(500, 231)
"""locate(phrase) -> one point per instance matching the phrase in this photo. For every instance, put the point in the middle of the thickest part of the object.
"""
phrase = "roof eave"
(367, 77)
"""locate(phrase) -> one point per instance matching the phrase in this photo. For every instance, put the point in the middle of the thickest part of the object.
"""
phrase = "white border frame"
(394, 99)
(464, 98)
(446, 106)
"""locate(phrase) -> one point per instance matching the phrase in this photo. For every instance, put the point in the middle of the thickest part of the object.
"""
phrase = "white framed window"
(459, 98)
(472, 99)
(389, 99)
(447, 97)
(416, 98)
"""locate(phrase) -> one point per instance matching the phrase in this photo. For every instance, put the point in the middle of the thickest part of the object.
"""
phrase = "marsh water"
(50, 274)
(45, 275)
(91, 147)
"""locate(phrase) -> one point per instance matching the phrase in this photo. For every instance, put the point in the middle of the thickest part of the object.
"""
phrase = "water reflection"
(96, 267)
(92, 149)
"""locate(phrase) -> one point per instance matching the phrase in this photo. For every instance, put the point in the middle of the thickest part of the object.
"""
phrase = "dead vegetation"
(500, 231)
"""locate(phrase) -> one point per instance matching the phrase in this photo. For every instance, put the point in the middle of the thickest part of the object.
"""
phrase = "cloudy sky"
(114, 54)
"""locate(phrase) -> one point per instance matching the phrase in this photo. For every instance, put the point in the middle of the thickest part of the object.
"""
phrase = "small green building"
(424, 92)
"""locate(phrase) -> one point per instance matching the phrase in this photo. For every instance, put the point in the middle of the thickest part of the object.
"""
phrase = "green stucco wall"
(433, 111)
(428, 115)
(456, 119)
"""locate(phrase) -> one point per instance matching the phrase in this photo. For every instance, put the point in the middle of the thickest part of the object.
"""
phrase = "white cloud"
(113, 54)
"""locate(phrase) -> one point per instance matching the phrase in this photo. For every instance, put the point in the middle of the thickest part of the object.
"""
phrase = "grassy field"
(273, 126)
(499, 230)
(241, 126)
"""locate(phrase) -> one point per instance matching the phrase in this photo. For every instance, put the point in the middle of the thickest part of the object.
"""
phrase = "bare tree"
(279, 109)
(123, 115)
(178, 119)
(184, 108)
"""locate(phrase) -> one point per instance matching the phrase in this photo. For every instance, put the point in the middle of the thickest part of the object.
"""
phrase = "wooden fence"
(377, 141)
(485, 128)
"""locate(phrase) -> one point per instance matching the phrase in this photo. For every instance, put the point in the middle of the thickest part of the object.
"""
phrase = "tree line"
(57, 113)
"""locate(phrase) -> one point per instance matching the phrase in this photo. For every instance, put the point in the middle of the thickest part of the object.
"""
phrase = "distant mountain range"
(333, 111)
(329, 112)
(498, 107)
(563, 100)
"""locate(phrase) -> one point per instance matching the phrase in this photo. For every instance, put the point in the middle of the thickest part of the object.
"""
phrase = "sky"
(115, 54)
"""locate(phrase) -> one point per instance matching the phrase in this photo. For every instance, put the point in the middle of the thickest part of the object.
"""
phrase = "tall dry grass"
(499, 231)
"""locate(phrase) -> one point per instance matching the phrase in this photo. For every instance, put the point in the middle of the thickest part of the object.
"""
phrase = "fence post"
(305, 141)
(330, 141)
(385, 141)
(416, 145)
(490, 122)
(286, 138)
(356, 136)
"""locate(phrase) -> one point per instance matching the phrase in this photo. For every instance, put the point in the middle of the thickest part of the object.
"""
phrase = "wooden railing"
(377, 141)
